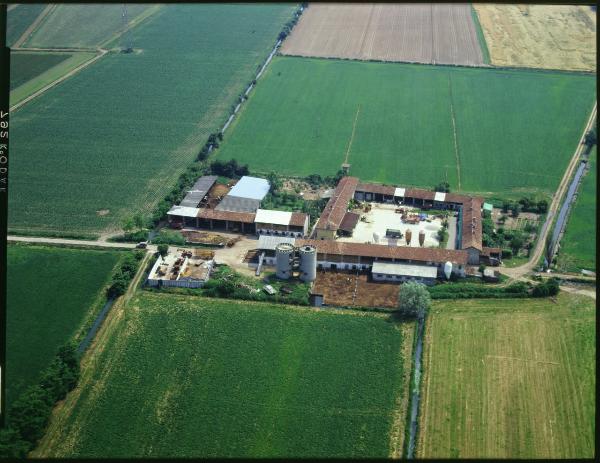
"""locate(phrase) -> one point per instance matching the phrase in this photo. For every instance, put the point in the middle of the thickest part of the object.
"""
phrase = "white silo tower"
(308, 263)
(284, 256)
(447, 269)
(376, 237)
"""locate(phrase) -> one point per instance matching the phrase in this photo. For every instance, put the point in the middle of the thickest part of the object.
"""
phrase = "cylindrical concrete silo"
(284, 254)
(308, 263)
(421, 237)
(408, 236)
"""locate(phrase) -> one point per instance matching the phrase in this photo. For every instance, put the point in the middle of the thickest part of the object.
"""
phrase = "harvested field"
(508, 380)
(349, 289)
(419, 33)
(202, 378)
(540, 36)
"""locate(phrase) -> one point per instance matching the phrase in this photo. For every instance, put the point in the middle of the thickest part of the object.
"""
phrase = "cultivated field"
(540, 36)
(104, 143)
(82, 26)
(413, 124)
(236, 379)
(421, 33)
(509, 380)
(19, 19)
(50, 292)
(31, 71)
(578, 245)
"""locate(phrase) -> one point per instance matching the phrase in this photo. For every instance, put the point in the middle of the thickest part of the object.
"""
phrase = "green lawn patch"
(195, 377)
(50, 293)
(508, 123)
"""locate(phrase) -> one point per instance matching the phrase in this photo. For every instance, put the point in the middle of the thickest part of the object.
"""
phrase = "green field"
(112, 139)
(82, 26)
(195, 377)
(508, 123)
(19, 19)
(507, 380)
(50, 292)
(31, 71)
(578, 245)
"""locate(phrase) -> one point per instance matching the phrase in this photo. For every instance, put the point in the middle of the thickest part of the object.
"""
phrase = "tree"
(139, 221)
(514, 209)
(118, 287)
(30, 412)
(127, 224)
(542, 206)
(443, 187)
(516, 243)
(414, 299)
(163, 250)
(12, 445)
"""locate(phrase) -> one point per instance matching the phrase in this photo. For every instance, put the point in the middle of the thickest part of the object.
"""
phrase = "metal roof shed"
(251, 188)
(273, 217)
(419, 271)
(267, 242)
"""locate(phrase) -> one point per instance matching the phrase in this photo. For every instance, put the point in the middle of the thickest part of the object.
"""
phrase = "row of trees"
(287, 28)
(525, 205)
(29, 414)
(229, 169)
(124, 273)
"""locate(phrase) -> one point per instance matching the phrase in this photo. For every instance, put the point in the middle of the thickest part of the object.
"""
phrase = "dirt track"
(422, 33)
(33, 26)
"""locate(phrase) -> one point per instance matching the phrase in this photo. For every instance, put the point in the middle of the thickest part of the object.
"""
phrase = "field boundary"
(454, 132)
(34, 25)
(352, 135)
(481, 37)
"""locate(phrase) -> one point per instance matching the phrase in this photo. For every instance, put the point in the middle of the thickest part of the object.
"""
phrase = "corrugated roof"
(418, 193)
(337, 206)
(246, 217)
(273, 217)
(183, 211)
(439, 196)
(251, 188)
(392, 268)
(198, 191)
(391, 252)
(238, 204)
(349, 221)
(267, 242)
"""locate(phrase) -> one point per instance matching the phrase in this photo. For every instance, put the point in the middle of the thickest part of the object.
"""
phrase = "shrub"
(169, 237)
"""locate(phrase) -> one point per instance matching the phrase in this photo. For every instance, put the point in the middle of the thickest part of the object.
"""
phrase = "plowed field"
(421, 33)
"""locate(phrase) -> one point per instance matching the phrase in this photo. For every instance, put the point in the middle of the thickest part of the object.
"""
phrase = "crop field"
(50, 292)
(418, 33)
(236, 379)
(82, 26)
(506, 380)
(540, 36)
(578, 244)
(77, 169)
(413, 124)
(19, 19)
(31, 71)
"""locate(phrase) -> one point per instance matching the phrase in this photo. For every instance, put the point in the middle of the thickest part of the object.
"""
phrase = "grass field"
(31, 71)
(508, 123)
(19, 19)
(82, 26)
(50, 292)
(237, 379)
(506, 380)
(113, 139)
(578, 245)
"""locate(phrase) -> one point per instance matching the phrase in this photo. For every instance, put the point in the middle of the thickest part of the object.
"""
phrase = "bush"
(169, 237)
(478, 290)
(546, 288)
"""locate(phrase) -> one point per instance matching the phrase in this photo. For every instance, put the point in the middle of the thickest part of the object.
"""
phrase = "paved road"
(540, 247)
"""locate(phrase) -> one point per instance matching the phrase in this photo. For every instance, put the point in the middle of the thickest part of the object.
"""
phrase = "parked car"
(142, 245)
(269, 289)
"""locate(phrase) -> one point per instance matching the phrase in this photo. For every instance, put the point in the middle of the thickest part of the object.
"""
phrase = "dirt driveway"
(234, 256)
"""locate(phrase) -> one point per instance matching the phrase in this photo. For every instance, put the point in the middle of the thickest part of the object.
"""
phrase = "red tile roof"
(337, 206)
(436, 255)
(471, 224)
(245, 217)
(374, 188)
(298, 219)
(349, 221)
(419, 194)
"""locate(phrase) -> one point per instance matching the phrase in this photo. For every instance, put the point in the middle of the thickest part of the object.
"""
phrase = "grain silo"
(284, 255)
(421, 237)
(447, 269)
(308, 263)
(408, 236)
